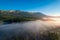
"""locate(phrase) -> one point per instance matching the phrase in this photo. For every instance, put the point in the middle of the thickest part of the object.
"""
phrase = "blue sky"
(48, 7)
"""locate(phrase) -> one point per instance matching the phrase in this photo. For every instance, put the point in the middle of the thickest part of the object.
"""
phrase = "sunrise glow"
(55, 19)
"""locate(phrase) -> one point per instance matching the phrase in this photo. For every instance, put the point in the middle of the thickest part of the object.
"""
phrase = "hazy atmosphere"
(29, 19)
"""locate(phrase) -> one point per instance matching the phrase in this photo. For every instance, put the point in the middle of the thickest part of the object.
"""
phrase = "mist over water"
(30, 27)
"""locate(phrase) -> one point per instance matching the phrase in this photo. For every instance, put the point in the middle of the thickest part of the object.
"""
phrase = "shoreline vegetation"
(16, 20)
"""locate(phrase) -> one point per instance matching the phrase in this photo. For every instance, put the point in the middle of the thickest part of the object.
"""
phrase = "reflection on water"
(22, 28)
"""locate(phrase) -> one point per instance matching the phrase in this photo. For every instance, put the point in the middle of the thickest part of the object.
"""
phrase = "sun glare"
(55, 19)
(51, 18)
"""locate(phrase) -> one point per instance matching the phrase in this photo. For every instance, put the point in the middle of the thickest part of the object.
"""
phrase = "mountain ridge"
(17, 15)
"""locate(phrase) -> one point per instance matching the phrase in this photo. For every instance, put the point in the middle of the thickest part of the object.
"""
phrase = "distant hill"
(22, 13)
(39, 15)
(17, 15)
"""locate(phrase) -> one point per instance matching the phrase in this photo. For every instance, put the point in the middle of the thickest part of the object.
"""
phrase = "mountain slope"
(18, 16)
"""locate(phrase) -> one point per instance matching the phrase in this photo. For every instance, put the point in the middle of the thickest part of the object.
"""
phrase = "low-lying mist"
(25, 30)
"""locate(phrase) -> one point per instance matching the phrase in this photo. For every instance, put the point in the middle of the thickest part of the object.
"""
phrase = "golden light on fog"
(52, 20)
(55, 19)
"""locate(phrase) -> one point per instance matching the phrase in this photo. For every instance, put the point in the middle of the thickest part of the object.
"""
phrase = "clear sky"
(48, 7)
